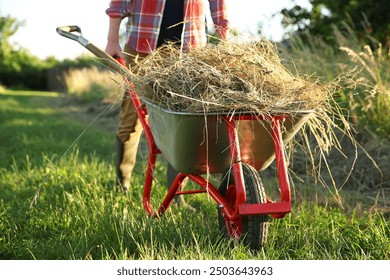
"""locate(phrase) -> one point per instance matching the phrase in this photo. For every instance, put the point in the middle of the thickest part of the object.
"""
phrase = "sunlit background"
(41, 17)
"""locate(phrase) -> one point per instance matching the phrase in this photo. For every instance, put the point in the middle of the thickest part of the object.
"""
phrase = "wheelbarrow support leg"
(176, 185)
(276, 209)
(236, 161)
(284, 185)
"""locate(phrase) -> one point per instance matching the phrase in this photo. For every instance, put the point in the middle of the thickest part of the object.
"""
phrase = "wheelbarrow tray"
(197, 143)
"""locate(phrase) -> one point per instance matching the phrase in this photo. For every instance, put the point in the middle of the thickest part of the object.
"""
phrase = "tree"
(18, 67)
(8, 27)
(369, 18)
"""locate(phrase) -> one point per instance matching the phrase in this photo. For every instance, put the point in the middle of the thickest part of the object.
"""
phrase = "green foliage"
(8, 27)
(369, 18)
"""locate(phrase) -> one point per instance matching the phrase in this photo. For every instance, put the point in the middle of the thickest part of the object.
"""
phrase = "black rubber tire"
(254, 228)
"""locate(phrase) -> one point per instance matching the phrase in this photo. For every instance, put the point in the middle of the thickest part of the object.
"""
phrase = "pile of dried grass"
(233, 78)
(224, 78)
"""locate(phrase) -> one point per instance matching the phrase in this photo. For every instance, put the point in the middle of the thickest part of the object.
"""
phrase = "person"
(151, 23)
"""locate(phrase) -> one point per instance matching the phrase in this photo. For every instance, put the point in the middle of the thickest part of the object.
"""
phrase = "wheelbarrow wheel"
(251, 230)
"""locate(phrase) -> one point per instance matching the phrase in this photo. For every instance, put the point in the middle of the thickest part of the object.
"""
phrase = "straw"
(223, 78)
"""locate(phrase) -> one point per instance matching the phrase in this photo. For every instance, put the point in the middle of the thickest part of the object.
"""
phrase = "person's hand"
(223, 33)
(114, 49)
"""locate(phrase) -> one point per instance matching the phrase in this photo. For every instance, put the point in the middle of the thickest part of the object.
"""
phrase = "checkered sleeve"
(218, 9)
(119, 8)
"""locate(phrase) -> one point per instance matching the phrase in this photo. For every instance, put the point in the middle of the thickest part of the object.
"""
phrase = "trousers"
(128, 135)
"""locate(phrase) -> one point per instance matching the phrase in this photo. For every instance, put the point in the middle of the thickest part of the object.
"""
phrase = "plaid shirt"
(145, 18)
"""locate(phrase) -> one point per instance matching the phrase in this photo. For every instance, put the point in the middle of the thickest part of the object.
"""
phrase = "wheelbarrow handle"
(73, 32)
(69, 32)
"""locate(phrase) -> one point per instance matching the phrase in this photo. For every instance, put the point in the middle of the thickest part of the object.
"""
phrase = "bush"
(23, 70)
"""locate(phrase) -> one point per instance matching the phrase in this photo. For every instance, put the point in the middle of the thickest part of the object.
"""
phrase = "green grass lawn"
(78, 215)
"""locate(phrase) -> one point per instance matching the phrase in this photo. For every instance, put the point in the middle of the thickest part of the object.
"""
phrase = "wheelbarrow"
(237, 146)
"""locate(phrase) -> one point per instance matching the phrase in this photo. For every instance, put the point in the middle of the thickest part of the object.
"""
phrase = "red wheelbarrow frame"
(275, 209)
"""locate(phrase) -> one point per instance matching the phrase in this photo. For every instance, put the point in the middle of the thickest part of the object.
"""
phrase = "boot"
(119, 158)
